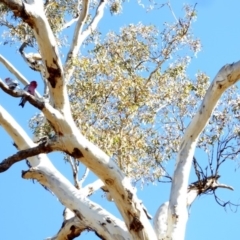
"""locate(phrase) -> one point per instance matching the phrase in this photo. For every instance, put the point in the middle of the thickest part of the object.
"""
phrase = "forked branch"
(227, 76)
(80, 36)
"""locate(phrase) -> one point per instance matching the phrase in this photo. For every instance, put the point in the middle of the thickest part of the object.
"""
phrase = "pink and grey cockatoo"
(29, 88)
(12, 84)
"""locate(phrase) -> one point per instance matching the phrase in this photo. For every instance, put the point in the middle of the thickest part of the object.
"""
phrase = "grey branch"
(34, 60)
(20, 93)
(209, 183)
(43, 147)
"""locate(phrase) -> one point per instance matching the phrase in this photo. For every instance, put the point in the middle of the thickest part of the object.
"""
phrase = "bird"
(29, 88)
(12, 84)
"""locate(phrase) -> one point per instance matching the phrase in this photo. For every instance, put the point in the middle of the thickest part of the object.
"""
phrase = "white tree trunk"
(171, 218)
(102, 222)
(70, 140)
(177, 212)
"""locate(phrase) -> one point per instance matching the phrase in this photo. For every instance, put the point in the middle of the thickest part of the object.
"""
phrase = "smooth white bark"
(80, 36)
(104, 223)
(160, 220)
(119, 186)
(13, 70)
(70, 139)
(50, 56)
(42, 169)
(91, 188)
(177, 215)
(70, 228)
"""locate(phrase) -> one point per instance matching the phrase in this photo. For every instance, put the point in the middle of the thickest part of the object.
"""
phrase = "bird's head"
(33, 84)
(8, 79)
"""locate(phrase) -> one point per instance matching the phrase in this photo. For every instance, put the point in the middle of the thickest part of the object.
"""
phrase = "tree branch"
(71, 22)
(21, 93)
(13, 70)
(33, 14)
(44, 147)
(80, 36)
(119, 186)
(32, 59)
(226, 77)
(84, 176)
(102, 222)
(89, 189)
(53, 116)
(70, 229)
(76, 43)
(195, 189)
(16, 6)
(43, 170)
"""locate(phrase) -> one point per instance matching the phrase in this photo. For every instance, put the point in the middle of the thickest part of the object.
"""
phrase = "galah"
(12, 84)
(29, 88)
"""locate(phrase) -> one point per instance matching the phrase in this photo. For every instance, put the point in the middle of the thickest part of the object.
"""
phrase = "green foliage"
(130, 93)
(122, 100)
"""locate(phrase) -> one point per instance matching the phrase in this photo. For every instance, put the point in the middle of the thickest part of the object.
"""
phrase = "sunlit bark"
(43, 170)
(177, 215)
(68, 136)
(171, 218)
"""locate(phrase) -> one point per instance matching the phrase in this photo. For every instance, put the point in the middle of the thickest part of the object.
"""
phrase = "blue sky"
(30, 212)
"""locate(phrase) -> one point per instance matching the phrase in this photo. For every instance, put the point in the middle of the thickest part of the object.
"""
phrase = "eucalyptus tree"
(122, 108)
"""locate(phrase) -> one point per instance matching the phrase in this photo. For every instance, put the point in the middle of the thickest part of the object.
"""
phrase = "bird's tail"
(22, 103)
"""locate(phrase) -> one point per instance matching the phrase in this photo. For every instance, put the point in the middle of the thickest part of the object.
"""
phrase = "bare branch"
(205, 185)
(170, 7)
(32, 59)
(84, 176)
(13, 70)
(102, 222)
(71, 22)
(89, 189)
(195, 189)
(44, 147)
(75, 169)
(76, 43)
(80, 36)
(224, 204)
(92, 214)
(226, 77)
(70, 229)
